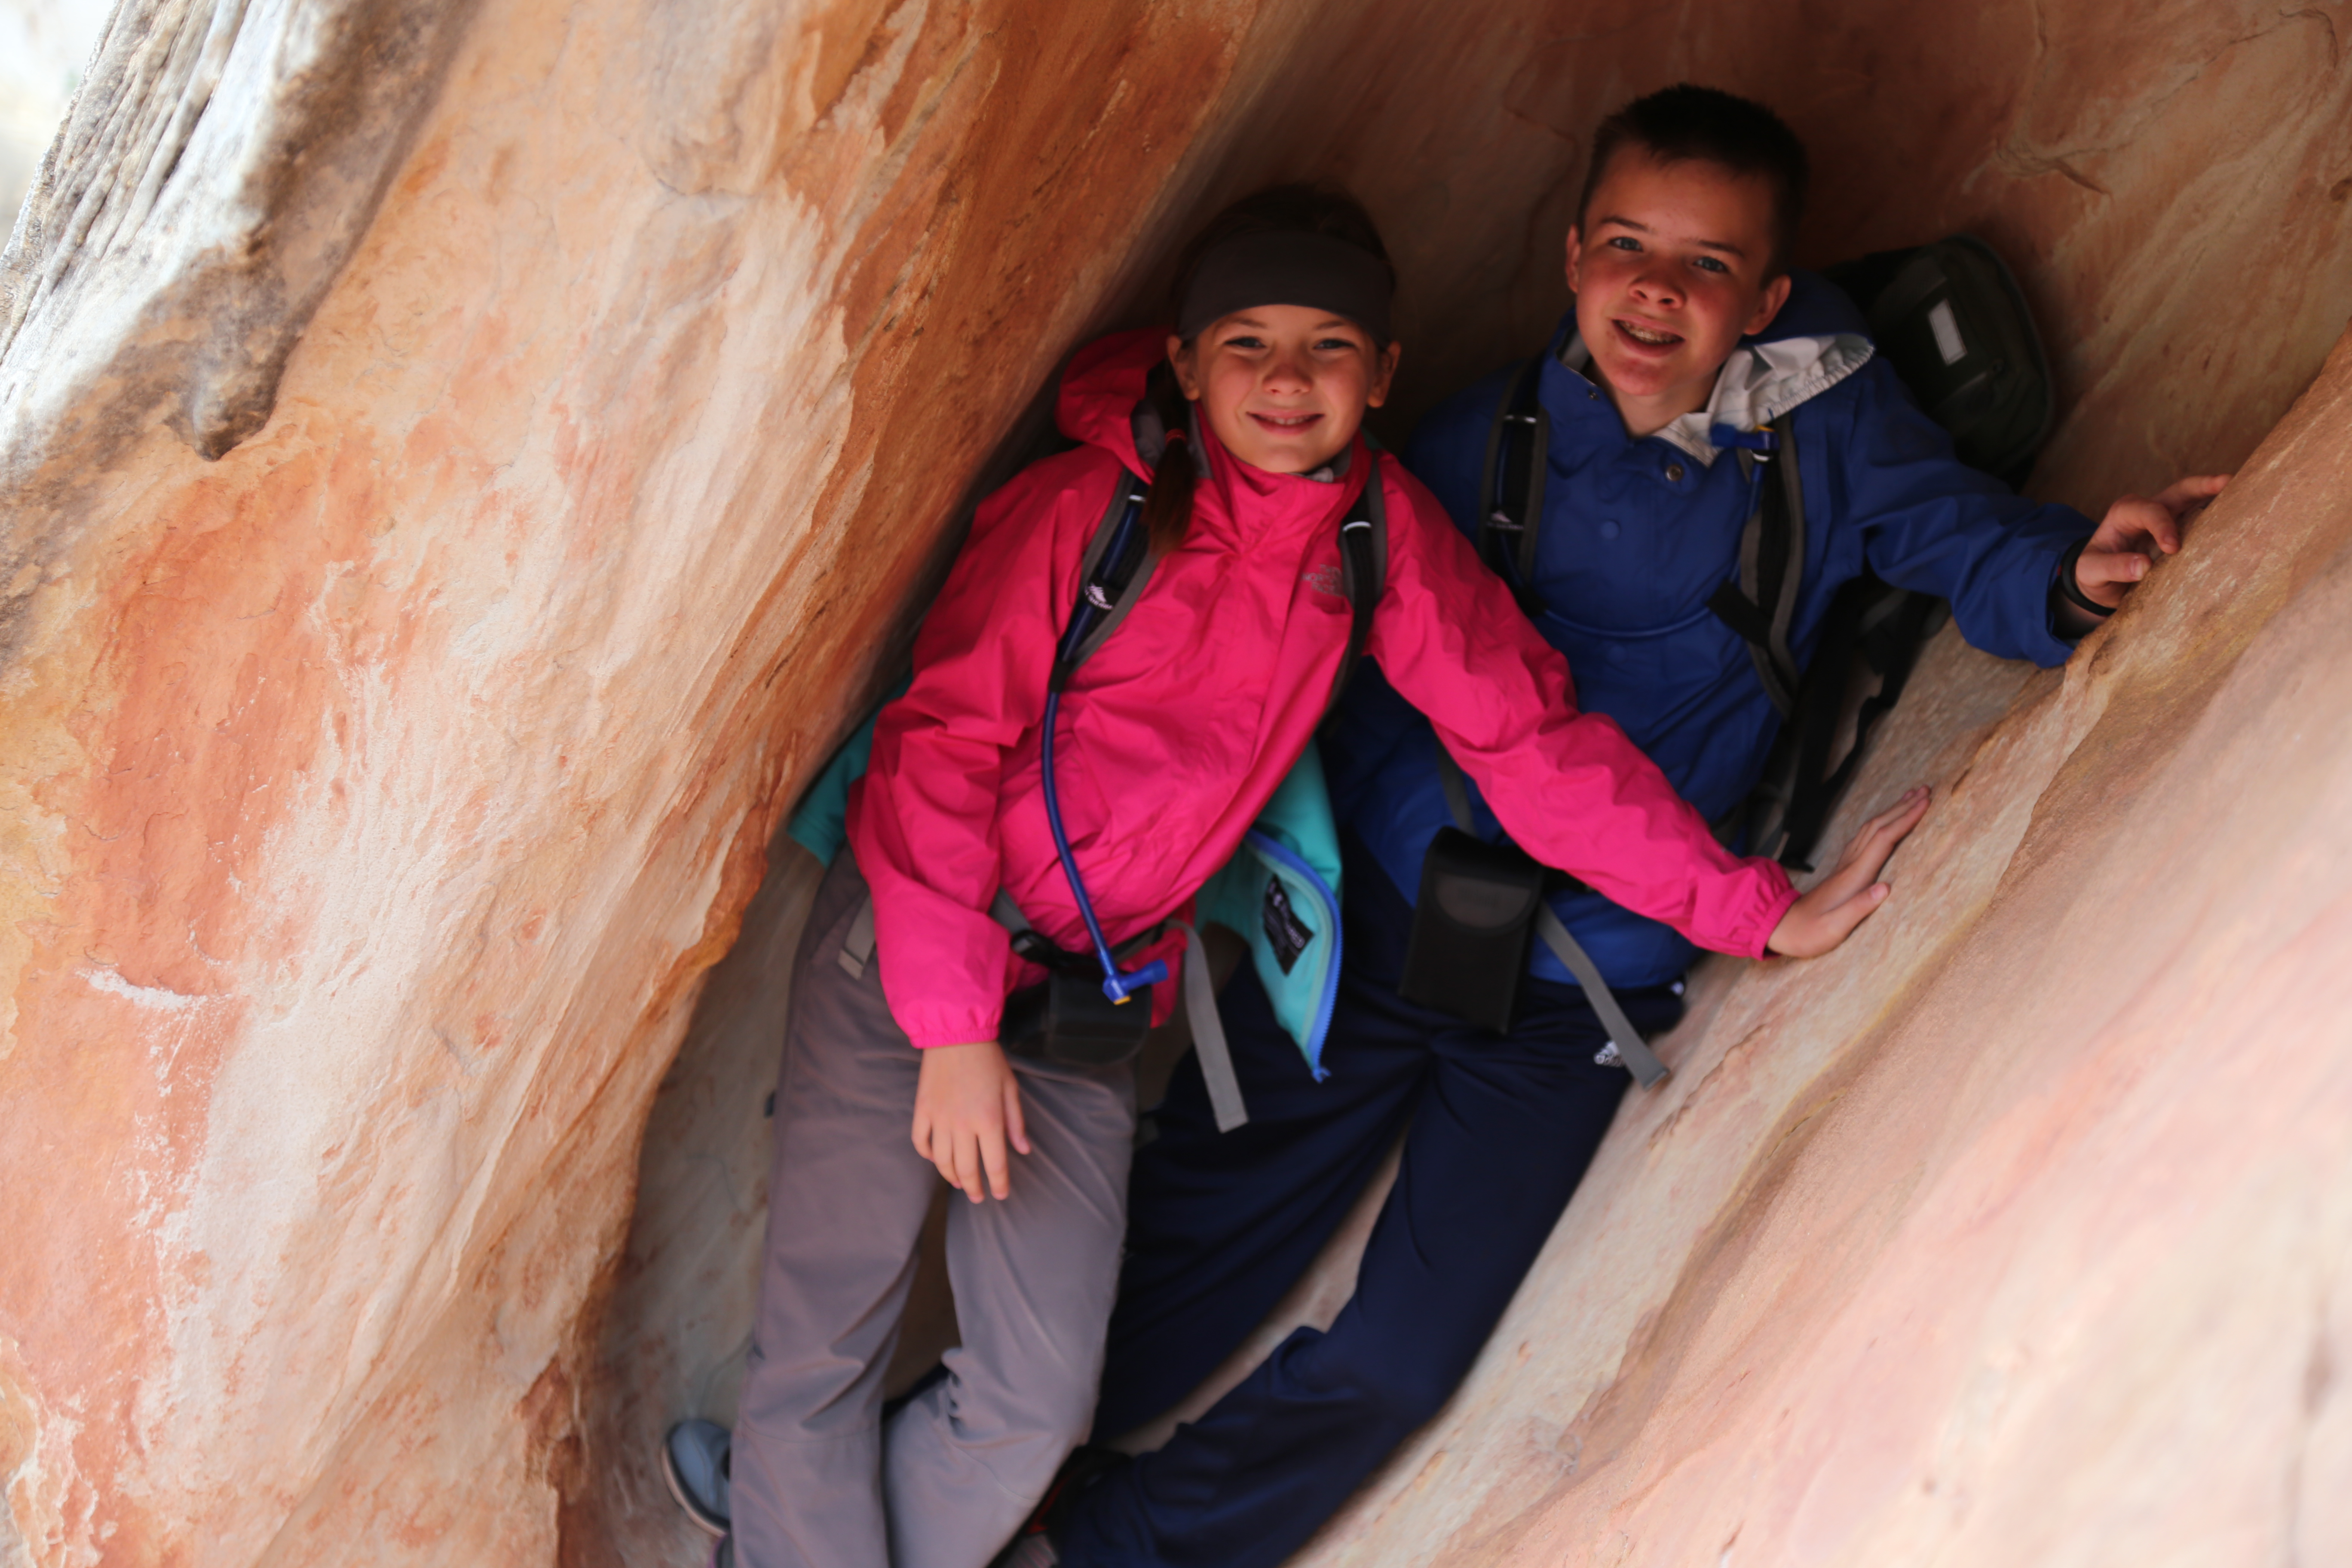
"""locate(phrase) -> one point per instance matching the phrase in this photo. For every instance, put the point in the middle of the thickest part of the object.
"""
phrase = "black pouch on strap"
(1067, 1019)
(1471, 927)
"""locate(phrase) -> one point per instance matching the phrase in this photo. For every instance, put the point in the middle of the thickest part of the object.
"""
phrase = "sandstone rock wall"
(2018, 1230)
(465, 462)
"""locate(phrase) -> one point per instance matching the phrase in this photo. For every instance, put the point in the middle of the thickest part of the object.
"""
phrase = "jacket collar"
(1763, 379)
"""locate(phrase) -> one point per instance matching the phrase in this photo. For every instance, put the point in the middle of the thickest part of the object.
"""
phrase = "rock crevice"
(464, 462)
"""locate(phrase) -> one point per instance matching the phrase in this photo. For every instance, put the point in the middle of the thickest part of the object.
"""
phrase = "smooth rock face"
(454, 502)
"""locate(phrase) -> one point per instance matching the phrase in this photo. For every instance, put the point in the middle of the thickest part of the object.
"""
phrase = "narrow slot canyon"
(467, 463)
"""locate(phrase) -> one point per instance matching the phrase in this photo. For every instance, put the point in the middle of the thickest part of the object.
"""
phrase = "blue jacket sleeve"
(1932, 523)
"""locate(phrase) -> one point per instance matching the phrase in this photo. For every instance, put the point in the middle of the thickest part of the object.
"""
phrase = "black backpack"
(1951, 319)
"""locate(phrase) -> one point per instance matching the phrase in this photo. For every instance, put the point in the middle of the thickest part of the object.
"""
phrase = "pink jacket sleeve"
(925, 827)
(1569, 787)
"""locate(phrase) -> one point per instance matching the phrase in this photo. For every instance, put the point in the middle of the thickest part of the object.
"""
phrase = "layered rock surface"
(466, 463)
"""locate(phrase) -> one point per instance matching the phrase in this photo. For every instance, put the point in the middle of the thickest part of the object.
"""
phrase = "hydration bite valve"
(1118, 987)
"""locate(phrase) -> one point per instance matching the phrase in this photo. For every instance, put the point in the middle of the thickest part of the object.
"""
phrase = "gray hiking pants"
(817, 1480)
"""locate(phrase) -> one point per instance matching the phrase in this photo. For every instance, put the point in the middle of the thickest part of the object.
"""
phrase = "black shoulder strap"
(1111, 577)
(1364, 571)
(1762, 604)
(1118, 565)
(1886, 626)
(1784, 814)
(1511, 483)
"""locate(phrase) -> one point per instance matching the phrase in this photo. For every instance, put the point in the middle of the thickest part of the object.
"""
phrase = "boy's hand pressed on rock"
(2118, 554)
(967, 1106)
(1847, 895)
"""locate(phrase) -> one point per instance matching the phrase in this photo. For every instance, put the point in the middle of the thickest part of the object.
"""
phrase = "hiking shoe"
(1038, 1542)
(694, 1462)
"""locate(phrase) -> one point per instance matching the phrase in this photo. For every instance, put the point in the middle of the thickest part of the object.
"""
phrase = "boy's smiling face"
(1670, 271)
(1284, 386)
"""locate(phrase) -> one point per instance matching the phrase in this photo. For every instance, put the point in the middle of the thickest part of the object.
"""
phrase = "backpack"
(1280, 890)
(1952, 321)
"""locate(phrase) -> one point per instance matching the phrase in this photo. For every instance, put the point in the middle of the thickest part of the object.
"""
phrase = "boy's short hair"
(1682, 124)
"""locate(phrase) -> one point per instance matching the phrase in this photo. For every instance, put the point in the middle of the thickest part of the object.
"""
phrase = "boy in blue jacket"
(1687, 321)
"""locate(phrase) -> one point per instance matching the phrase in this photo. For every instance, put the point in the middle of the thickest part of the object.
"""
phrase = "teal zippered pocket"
(1280, 890)
(1295, 945)
(1281, 893)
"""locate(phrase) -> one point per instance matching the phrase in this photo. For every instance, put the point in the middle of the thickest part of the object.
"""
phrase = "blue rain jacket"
(1638, 533)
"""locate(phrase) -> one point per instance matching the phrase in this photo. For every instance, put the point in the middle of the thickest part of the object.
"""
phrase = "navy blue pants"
(1219, 1227)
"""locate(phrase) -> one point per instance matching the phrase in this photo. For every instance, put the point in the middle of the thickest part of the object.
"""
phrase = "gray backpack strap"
(1122, 593)
(857, 947)
(1007, 913)
(1208, 1036)
(1363, 573)
(1511, 483)
(1763, 604)
(1625, 1042)
(1792, 545)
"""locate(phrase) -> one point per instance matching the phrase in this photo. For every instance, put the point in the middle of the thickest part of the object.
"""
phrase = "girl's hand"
(1846, 897)
(966, 1104)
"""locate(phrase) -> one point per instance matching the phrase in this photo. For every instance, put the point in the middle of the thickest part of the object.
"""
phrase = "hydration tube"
(1092, 604)
(1116, 984)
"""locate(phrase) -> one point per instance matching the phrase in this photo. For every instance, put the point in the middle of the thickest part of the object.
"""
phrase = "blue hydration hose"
(1094, 603)
(1117, 984)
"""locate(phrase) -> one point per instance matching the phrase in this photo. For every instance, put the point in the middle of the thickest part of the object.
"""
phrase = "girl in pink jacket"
(1170, 740)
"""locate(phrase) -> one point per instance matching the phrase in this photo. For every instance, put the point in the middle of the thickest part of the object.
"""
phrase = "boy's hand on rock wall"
(1847, 895)
(966, 1105)
(2118, 554)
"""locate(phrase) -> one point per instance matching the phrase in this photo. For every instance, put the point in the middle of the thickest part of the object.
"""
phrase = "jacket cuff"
(967, 1028)
(1777, 905)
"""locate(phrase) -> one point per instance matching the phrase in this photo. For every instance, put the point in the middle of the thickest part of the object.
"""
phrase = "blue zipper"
(1268, 845)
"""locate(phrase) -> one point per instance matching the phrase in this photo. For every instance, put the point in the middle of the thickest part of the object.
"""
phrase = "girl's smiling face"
(1284, 386)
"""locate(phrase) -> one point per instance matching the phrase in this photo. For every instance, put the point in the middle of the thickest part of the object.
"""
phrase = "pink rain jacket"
(1175, 733)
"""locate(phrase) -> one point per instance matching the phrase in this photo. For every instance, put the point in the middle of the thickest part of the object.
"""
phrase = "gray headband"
(1287, 267)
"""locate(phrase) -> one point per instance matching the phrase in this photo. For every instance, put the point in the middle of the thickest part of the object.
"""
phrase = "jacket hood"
(1817, 341)
(1101, 401)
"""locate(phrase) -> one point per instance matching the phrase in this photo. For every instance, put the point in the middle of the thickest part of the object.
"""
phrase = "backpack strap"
(1363, 572)
(1209, 1042)
(1112, 574)
(1511, 483)
(1784, 814)
(1761, 603)
(1625, 1042)
(1117, 565)
(1886, 626)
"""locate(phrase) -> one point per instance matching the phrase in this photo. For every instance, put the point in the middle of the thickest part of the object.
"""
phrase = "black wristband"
(2067, 588)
